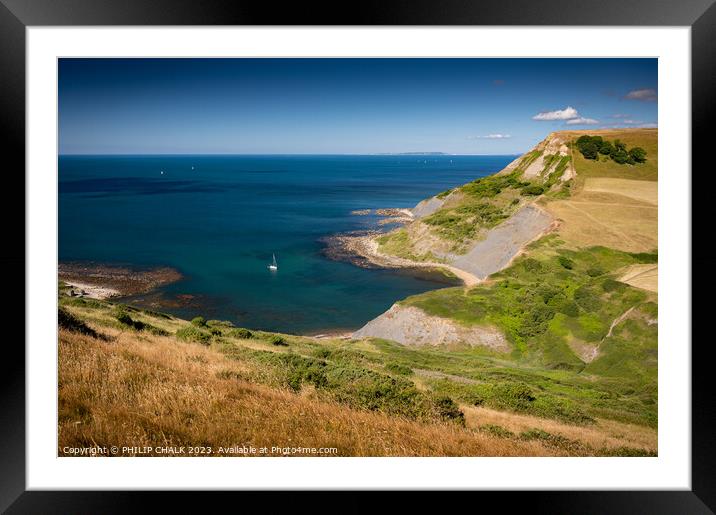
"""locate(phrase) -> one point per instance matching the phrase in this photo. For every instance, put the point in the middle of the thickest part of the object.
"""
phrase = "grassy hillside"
(545, 173)
(557, 307)
(163, 380)
(474, 208)
(584, 342)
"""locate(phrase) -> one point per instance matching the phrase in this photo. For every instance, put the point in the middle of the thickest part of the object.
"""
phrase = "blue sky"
(337, 106)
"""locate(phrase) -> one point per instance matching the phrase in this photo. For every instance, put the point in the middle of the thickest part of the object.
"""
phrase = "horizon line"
(404, 154)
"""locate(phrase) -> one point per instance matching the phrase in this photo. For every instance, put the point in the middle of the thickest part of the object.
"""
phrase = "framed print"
(417, 249)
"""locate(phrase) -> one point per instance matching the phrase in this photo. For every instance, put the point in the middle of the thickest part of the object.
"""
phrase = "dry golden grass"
(154, 391)
(645, 191)
(616, 213)
(642, 276)
(585, 221)
(606, 434)
(612, 205)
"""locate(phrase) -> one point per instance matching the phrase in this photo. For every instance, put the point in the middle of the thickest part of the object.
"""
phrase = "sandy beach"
(91, 291)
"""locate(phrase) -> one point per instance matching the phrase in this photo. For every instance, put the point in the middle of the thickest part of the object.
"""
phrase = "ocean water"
(218, 220)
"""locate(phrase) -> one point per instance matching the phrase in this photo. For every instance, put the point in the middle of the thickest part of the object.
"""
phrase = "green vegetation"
(542, 303)
(126, 321)
(242, 333)
(277, 340)
(198, 321)
(496, 430)
(533, 189)
(397, 243)
(463, 222)
(349, 377)
(558, 171)
(193, 334)
(67, 320)
(397, 368)
(591, 147)
(485, 203)
(646, 139)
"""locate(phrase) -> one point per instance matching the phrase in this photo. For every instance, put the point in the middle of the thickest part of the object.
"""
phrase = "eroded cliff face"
(412, 326)
(488, 247)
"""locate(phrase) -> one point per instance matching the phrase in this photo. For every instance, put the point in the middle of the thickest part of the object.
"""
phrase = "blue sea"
(219, 219)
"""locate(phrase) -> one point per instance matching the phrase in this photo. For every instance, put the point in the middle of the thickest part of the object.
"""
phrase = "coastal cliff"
(525, 229)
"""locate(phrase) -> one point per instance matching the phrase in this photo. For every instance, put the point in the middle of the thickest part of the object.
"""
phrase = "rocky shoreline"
(361, 249)
(101, 281)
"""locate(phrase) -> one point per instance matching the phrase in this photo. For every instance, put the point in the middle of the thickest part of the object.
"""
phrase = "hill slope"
(140, 378)
(582, 298)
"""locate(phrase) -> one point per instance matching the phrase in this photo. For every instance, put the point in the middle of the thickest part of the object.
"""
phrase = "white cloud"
(582, 121)
(492, 136)
(567, 113)
(619, 115)
(645, 95)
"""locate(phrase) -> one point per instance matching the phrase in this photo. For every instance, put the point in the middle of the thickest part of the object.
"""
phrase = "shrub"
(124, 319)
(565, 262)
(595, 272)
(215, 331)
(533, 189)
(589, 146)
(193, 334)
(532, 265)
(590, 151)
(156, 331)
(592, 146)
(620, 156)
(638, 154)
(495, 430)
(611, 285)
(127, 321)
(606, 148)
(241, 333)
(67, 320)
(447, 409)
(198, 321)
(586, 298)
(570, 309)
(277, 340)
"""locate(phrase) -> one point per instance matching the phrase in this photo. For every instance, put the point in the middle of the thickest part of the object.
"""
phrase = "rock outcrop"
(412, 326)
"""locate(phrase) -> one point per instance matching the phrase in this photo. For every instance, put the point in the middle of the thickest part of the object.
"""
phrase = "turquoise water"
(218, 219)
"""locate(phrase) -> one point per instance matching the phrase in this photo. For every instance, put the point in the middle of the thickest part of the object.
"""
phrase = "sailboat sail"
(273, 265)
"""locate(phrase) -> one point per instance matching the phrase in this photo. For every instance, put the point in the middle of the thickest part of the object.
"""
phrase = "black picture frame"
(16, 15)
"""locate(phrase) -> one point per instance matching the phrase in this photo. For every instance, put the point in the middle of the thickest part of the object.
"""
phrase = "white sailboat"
(273, 266)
